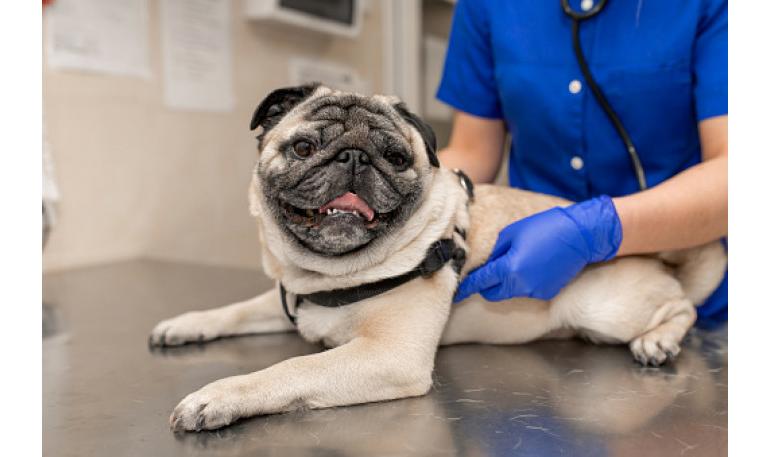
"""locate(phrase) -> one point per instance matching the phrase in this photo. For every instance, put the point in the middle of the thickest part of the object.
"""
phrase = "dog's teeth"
(342, 211)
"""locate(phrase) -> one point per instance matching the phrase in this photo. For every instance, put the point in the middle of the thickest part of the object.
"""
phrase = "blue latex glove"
(537, 256)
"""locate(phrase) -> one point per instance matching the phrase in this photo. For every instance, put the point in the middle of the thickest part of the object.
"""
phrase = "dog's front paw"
(209, 408)
(192, 327)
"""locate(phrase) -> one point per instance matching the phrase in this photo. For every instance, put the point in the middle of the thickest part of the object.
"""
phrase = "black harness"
(439, 253)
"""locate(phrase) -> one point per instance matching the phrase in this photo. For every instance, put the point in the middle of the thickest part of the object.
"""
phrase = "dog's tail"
(700, 269)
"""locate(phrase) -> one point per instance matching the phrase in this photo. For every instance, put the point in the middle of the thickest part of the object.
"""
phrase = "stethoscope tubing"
(617, 124)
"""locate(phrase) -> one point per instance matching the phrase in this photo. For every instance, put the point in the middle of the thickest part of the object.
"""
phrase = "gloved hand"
(537, 256)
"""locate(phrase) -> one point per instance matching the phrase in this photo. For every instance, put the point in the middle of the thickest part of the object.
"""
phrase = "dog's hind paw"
(654, 348)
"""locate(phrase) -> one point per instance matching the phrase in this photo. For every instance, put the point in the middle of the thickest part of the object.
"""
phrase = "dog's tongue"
(350, 202)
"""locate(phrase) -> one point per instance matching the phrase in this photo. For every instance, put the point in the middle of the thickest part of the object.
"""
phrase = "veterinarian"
(661, 67)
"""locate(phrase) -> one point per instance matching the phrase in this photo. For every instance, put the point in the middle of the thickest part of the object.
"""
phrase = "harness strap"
(465, 182)
(285, 305)
(439, 253)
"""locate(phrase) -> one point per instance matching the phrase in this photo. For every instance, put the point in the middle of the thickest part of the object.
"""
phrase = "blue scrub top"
(662, 64)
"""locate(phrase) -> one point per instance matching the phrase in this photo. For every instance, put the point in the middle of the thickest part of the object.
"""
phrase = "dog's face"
(340, 170)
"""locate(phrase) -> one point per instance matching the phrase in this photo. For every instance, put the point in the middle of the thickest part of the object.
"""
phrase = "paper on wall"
(197, 55)
(435, 50)
(303, 71)
(108, 36)
(50, 189)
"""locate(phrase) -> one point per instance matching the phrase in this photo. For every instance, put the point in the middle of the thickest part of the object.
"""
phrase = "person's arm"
(475, 147)
(538, 255)
(687, 210)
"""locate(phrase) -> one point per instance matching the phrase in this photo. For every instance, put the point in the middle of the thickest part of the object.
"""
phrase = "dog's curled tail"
(700, 269)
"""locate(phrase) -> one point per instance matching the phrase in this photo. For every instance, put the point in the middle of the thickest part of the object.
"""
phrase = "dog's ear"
(277, 104)
(428, 136)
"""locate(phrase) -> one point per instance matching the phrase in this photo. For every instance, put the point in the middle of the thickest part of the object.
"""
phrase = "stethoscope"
(577, 17)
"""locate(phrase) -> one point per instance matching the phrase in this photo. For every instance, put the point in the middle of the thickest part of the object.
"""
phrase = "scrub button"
(586, 5)
(576, 163)
(575, 86)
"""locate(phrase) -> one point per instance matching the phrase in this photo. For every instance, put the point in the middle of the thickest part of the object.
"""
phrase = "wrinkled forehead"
(353, 111)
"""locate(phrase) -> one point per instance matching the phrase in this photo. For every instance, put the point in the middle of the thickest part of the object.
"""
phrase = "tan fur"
(494, 208)
(384, 346)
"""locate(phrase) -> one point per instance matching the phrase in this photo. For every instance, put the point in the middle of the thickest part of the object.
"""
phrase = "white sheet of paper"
(435, 50)
(50, 189)
(108, 36)
(197, 55)
(337, 76)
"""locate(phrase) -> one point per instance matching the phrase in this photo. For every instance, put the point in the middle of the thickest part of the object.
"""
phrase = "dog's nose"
(353, 157)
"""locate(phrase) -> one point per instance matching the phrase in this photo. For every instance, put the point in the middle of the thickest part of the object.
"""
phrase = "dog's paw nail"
(200, 423)
(200, 418)
(175, 422)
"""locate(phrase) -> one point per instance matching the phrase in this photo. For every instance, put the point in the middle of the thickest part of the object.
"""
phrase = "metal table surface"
(106, 394)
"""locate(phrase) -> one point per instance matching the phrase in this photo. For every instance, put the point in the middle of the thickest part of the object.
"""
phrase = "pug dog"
(367, 237)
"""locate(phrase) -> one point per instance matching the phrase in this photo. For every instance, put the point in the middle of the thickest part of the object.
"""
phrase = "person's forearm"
(475, 147)
(685, 211)
(478, 169)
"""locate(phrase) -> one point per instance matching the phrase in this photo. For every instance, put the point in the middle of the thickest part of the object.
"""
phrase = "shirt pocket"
(656, 105)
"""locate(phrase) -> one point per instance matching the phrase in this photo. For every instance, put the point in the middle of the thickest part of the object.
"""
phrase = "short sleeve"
(710, 61)
(468, 82)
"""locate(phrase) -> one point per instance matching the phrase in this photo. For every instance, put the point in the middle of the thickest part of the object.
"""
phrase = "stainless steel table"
(106, 394)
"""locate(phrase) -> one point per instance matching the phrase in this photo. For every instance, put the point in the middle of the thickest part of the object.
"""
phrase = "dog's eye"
(396, 159)
(304, 149)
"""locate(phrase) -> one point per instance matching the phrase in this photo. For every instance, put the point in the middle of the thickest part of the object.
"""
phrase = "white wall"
(140, 180)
